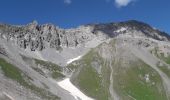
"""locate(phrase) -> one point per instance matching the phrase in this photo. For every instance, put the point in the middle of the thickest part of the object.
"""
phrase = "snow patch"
(74, 59)
(39, 55)
(10, 97)
(121, 29)
(4, 37)
(67, 85)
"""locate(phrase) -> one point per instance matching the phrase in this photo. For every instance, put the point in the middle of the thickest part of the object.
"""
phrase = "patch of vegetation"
(161, 55)
(54, 70)
(165, 69)
(89, 80)
(57, 75)
(73, 66)
(48, 65)
(167, 59)
(11, 71)
(39, 70)
(134, 80)
(42, 92)
(106, 72)
(131, 82)
(16, 74)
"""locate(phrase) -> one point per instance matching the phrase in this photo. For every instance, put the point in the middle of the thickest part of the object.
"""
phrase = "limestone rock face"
(39, 37)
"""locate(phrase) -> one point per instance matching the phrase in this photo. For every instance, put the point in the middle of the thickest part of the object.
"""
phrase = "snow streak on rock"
(74, 59)
(10, 97)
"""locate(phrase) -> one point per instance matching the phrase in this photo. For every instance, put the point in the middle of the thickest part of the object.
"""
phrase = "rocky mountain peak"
(39, 37)
(146, 29)
(33, 23)
(131, 28)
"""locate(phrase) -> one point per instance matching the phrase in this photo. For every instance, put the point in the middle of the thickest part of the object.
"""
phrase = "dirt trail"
(111, 89)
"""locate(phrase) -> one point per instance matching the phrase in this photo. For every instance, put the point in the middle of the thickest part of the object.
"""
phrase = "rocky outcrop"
(132, 28)
(39, 37)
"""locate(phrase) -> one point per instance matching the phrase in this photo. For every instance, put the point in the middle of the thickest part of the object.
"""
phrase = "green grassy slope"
(132, 83)
(55, 70)
(16, 74)
(51, 69)
(134, 80)
(164, 68)
(91, 82)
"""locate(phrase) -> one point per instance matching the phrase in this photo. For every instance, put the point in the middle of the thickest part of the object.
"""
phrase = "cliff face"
(39, 37)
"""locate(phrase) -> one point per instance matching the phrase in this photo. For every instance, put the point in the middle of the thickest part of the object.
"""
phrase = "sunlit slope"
(110, 72)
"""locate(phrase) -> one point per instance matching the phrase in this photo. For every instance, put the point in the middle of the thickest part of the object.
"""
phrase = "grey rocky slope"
(112, 54)
(39, 37)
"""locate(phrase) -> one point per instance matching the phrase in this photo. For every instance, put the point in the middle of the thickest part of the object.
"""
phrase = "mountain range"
(106, 61)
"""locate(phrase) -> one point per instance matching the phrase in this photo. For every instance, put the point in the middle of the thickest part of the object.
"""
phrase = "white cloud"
(67, 1)
(122, 3)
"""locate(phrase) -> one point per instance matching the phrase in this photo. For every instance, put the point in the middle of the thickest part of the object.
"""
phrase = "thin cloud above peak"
(123, 3)
(67, 1)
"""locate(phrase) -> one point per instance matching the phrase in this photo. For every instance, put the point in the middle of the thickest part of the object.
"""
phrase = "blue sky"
(71, 13)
